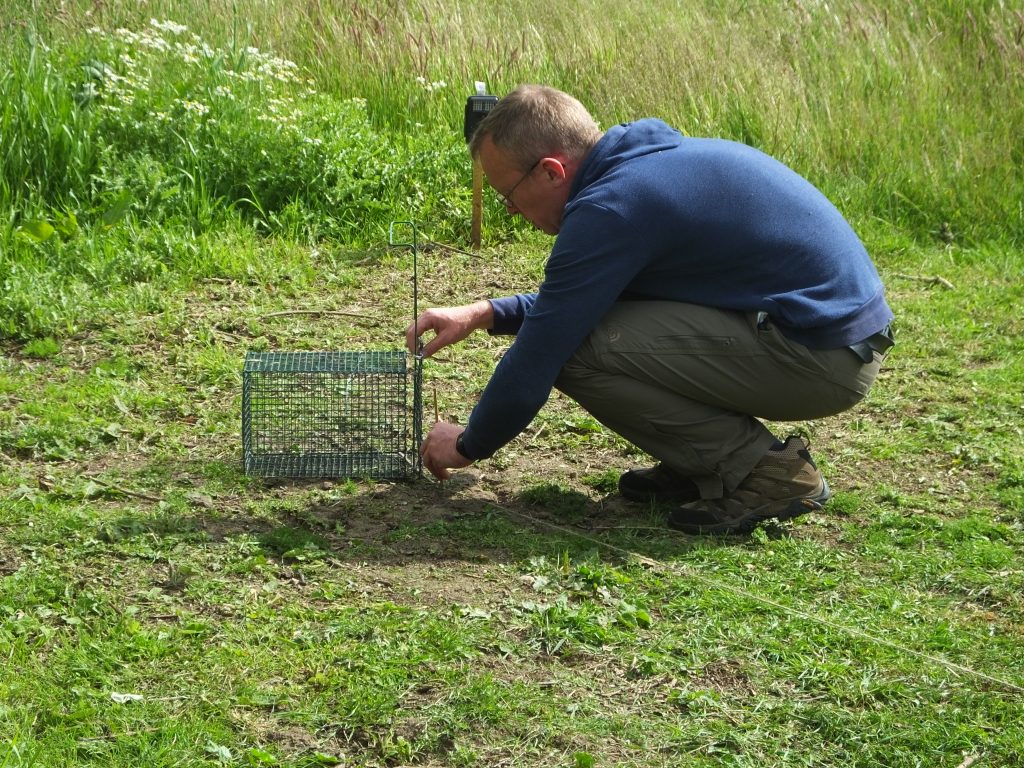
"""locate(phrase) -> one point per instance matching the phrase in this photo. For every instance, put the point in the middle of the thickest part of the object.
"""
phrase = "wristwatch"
(460, 446)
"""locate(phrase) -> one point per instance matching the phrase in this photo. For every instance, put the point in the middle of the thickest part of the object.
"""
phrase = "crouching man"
(695, 287)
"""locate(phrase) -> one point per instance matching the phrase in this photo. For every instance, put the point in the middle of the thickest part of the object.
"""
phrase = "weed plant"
(174, 147)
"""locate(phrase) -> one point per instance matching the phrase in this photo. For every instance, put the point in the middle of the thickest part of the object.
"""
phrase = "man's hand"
(449, 324)
(438, 450)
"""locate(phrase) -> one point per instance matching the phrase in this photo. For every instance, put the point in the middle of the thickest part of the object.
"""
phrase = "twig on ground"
(933, 280)
(226, 334)
(119, 489)
(453, 249)
(969, 760)
(109, 736)
(333, 312)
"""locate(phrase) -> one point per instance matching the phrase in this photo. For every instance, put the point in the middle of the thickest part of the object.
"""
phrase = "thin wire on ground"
(952, 666)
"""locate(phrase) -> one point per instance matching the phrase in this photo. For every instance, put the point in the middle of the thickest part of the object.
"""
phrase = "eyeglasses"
(506, 197)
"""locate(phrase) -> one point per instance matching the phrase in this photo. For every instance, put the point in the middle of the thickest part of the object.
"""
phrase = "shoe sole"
(654, 497)
(750, 521)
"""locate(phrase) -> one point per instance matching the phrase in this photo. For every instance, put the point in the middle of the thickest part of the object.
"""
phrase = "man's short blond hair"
(536, 121)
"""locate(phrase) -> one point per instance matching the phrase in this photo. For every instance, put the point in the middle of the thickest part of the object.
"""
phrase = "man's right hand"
(449, 324)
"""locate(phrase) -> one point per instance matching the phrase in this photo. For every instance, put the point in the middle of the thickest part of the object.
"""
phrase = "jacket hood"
(625, 142)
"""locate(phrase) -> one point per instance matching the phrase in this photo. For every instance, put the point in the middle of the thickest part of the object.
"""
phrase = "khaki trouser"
(687, 384)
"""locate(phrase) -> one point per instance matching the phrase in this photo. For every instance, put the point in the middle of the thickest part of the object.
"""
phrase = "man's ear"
(554, 169)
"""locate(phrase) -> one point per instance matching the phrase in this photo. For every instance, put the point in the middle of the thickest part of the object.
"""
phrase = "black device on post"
(477, 107)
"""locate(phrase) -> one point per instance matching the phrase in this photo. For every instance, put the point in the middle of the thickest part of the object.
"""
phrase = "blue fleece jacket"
(655, 215)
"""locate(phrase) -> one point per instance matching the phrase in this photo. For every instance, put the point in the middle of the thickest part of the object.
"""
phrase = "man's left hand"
(438, 450)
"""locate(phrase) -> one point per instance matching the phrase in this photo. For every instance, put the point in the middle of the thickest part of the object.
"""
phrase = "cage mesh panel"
(331, 414)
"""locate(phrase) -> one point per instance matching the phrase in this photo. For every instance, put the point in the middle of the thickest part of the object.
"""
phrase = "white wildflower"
(154, 43)
(168, 26)
(195, 107)
(188, 53)
(431, 85)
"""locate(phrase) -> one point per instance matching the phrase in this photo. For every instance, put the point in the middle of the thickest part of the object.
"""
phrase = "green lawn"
(174, 197)
(161, 608)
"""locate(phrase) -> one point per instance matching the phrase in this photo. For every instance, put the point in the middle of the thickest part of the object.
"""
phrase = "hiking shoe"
(784, 484)
(658, 483)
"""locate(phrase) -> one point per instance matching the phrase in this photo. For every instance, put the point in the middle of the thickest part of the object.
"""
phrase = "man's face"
(537, 194)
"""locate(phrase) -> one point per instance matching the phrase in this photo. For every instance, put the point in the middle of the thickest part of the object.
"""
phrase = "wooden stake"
(478, 203)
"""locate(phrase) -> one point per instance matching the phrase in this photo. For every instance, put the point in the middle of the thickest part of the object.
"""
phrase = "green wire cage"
(338, 414)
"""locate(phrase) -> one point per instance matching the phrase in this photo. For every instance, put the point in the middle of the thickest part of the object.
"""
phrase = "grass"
(157, 607)
(521, 615)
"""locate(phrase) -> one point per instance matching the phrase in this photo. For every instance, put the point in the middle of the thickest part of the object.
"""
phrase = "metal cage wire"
(341, 414)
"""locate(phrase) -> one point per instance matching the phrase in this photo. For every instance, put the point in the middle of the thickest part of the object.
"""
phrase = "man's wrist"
(460, 446)
(486, 314)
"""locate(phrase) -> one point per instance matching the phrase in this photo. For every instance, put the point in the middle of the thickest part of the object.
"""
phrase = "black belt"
(880, 343)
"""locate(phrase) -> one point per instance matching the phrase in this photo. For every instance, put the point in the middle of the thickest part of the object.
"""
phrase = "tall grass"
(326, 120)
(906, 112)
(47, 151)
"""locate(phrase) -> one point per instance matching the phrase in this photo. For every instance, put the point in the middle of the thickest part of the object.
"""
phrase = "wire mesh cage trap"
(340, 414)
